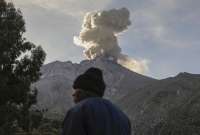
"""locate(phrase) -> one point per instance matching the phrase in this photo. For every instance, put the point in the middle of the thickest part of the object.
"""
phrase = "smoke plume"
(99, 37)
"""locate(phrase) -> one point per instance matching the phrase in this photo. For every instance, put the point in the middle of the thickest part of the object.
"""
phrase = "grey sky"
(164, 32)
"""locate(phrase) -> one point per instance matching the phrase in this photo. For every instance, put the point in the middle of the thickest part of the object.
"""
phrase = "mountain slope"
(151, 105)
(55, 84)
(147, 101)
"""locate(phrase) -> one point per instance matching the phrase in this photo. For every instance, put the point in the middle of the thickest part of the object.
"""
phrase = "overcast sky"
(166, 33)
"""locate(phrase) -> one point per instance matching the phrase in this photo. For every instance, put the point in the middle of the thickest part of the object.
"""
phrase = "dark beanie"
(91, 81)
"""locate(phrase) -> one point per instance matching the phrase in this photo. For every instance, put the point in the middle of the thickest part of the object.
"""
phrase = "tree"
(20, 62)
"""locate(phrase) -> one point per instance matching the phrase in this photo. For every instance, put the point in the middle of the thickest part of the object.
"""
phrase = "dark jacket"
(96, 116)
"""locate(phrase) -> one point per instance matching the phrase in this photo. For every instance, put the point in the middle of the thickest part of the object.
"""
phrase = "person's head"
(89, 84)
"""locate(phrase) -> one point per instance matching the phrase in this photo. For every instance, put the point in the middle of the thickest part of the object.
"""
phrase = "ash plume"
(99, 37)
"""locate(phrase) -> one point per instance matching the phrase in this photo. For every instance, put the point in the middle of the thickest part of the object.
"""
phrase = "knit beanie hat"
(91, 81)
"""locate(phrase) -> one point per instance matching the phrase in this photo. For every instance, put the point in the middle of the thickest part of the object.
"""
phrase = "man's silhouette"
(92, 114)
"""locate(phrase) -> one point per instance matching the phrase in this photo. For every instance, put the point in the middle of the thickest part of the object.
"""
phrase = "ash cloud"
(99, 37)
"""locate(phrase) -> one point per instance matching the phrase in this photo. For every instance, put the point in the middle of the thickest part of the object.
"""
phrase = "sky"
(165, 33)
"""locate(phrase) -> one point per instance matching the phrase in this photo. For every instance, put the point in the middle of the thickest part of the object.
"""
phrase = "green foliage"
(181, 120)
(20, 62)
(46, 127)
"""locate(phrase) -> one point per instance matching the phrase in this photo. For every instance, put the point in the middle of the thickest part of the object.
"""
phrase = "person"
(92, 114)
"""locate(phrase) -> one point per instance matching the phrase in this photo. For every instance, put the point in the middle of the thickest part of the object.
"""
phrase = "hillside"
(55, 85)
(151, 105)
